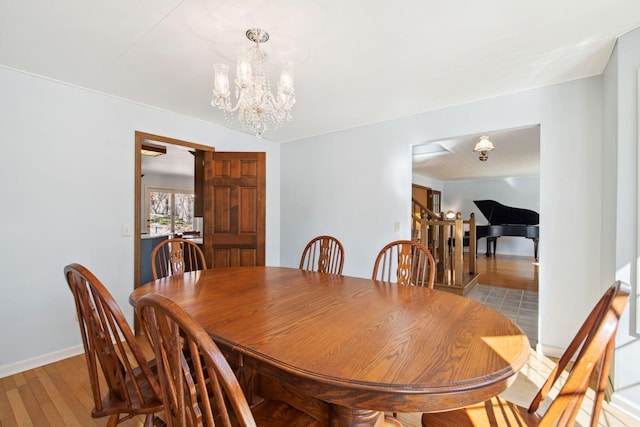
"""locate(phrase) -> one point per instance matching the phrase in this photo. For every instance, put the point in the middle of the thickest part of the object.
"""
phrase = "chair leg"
(113, 420)
(150, 421)
(392, 421)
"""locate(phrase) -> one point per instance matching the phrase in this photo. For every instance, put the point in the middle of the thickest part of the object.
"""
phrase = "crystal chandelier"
(257, 109)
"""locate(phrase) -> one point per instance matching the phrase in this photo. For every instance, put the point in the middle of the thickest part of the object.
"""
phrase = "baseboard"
(625, 405)
(550, 351)
(36, 362)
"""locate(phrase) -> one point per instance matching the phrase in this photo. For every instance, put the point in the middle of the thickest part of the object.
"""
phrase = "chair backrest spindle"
(175, 256)
(198, 386)
(324, 254)
(594, 344)
(405, 262)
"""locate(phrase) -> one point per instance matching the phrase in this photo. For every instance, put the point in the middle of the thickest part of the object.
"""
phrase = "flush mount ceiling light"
(147, 149)
(257, 109)
(483, 147)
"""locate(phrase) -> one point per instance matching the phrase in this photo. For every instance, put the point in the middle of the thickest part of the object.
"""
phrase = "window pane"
(160, 212)
(183, 212)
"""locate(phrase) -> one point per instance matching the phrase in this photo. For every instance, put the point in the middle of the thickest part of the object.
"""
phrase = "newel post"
(472, 243)
(424, 229)
(458, 261)
(443, 239)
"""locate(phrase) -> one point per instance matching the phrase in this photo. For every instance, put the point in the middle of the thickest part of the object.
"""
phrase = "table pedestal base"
(341, 416)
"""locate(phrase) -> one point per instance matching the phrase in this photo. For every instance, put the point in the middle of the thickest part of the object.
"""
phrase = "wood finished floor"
(59, 394)
(508, 271)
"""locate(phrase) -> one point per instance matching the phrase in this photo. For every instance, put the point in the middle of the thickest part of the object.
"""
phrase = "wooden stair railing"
(445, 239)
(419, 231)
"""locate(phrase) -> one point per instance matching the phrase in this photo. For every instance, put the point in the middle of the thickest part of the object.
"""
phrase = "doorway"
(510, 175)
(168, 163)
(230, 195)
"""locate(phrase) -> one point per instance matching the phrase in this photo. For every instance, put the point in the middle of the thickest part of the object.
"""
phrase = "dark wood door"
(198, 182)
(234, 209)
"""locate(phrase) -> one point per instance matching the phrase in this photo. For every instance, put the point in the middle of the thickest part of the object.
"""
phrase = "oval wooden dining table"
(362, 346)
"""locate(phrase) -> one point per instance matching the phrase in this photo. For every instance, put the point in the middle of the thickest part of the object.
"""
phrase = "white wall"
(354, 184)
(620, 227)
(521, 192)
(427, 182)
(67, 186)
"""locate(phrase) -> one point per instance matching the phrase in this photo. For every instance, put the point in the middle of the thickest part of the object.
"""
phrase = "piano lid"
(497, 213)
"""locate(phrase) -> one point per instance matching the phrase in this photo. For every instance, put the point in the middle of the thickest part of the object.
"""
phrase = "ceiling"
(178, 160)
(356, 62)
(516, 154)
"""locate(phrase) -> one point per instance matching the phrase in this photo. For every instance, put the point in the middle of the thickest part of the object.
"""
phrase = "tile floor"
(519, 306)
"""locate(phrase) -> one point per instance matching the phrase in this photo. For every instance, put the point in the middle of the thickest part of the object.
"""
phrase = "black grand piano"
(507, 221)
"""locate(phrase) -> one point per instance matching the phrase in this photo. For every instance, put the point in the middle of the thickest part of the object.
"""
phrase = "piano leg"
(535, 248)
(491, 241)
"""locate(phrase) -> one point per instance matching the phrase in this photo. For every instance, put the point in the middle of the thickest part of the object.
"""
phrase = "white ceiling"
(516, 153)
(357, 62)
(178, 160)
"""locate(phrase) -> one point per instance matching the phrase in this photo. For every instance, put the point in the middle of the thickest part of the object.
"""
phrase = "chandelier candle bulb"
(286, 80)
(243, 71)
(221, 80)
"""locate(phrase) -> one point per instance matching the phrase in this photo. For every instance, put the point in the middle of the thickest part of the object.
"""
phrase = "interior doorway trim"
(141, 137)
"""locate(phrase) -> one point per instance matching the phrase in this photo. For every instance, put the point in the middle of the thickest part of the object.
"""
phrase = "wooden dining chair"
(205, 391)
(323, 254)
(175, 256)
(405, 262)
(592, 347)
(110, 347)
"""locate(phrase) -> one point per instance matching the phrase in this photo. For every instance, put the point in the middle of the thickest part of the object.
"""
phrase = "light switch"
(126, 230)
(396, 226)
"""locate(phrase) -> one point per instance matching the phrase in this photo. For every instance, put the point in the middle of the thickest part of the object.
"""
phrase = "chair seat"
(275, 413)
(111, 404)
(494, 412)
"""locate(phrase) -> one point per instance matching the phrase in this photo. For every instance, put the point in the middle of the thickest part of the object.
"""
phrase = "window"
(169, 210)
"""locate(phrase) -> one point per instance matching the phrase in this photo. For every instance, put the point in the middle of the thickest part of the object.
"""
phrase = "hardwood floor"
(59, 394)
(508, 271)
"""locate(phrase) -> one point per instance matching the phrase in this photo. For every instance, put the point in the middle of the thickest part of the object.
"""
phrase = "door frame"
(139, 138)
